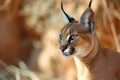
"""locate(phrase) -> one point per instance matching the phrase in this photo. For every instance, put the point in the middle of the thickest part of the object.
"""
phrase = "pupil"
(71, 37)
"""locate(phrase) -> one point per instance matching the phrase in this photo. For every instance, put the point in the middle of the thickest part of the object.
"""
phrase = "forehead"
(72, 28)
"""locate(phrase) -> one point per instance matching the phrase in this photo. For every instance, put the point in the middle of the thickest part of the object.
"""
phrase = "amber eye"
(74, 36)
(60, 37)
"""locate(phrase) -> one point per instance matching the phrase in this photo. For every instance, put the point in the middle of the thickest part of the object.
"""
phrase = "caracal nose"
(62, 48)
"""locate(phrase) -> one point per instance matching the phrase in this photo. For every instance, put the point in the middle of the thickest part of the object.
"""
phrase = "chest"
(105, 71)
(82, 71)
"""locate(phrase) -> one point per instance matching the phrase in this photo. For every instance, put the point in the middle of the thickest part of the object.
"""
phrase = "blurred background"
(29, 31)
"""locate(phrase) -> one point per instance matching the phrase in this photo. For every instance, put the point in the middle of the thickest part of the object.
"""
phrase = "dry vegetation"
(29, 31)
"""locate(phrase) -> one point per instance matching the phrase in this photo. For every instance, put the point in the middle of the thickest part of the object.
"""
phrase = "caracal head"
(76, 38)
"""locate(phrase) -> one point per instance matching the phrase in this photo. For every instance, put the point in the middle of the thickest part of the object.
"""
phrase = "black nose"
(62, 48)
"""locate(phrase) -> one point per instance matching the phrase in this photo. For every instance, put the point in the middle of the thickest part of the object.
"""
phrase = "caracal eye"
(74, 36)
(60, 37)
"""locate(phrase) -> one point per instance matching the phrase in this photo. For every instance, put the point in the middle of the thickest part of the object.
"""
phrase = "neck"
(83, 64)
(92, 52)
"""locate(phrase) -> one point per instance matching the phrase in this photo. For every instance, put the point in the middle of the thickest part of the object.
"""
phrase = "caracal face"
(74, 39)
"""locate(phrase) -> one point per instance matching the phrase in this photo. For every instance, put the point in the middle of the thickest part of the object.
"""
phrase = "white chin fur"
(67, 50)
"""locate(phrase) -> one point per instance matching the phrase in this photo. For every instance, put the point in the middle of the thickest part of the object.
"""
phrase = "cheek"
(81, 44)
(82, 49)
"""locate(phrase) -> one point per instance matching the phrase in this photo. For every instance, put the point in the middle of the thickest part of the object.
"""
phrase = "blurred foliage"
(29, 31)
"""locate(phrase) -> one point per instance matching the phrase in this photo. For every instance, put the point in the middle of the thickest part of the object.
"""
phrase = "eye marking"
(68, 37)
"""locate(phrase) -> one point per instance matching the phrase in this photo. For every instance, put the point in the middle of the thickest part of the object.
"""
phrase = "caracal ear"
(88, 18)
(67, 18)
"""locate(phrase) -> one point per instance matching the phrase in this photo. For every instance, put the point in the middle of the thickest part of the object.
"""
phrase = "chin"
(68, 54)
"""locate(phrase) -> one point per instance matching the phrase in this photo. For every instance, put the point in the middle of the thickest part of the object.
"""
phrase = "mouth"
(68, 51)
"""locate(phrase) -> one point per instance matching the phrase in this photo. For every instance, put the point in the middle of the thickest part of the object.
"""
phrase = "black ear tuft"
(90, 3)
(67, 18)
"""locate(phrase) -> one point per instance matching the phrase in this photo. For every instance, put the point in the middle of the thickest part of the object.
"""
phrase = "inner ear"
(87, 18)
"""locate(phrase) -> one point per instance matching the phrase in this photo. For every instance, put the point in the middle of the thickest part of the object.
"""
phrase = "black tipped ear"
(90, 3)
(67, 18)
(88, 18)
